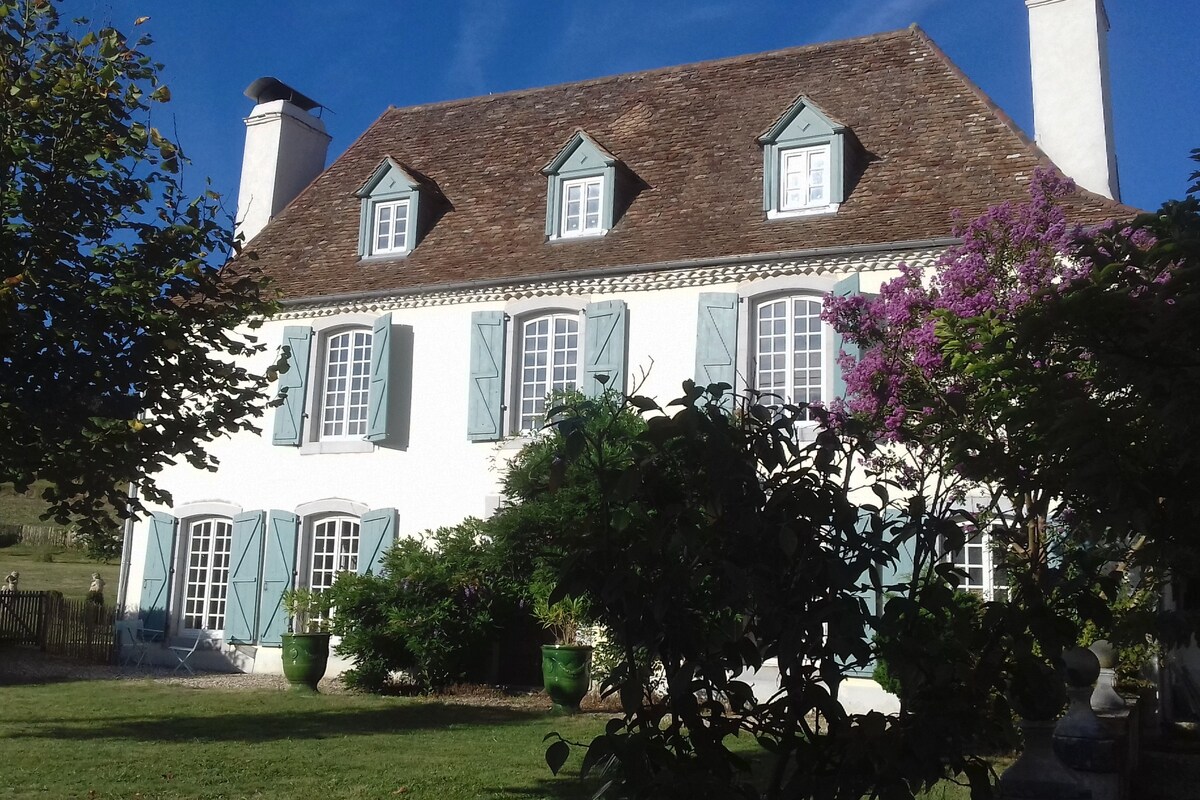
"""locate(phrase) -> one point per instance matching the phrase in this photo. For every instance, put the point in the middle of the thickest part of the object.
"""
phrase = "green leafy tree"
(721, 540)
(122, 336)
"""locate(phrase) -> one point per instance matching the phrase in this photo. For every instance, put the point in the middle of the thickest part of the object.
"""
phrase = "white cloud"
(481, 25)
(872, 16)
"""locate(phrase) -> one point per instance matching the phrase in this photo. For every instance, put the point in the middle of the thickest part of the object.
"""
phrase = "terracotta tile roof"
(935, 143)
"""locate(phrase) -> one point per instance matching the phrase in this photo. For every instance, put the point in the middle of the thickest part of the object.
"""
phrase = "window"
(549, 353)
(207, 574)
(393, 202)
(789, 349)
(518, 358)
(581, 206)
(808, 161)
(335, 396)
(391, 228)
(976, 559)
(345, 391)
(334, 549)
(582, 185)
(804, 179)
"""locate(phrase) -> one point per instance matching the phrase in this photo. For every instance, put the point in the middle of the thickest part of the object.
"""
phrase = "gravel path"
(24, 665)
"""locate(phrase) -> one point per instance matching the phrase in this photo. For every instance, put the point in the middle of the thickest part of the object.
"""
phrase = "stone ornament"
(1080, 739)
(1105, 699)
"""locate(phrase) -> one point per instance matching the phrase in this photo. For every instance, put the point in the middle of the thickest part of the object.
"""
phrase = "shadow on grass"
(277, 724)
(565, 787)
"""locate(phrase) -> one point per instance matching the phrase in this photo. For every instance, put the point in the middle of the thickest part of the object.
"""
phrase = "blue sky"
(357, 57)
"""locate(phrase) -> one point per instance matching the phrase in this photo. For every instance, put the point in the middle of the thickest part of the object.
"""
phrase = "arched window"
(333, 549)
(206, 578)
(549, 362)
(345, 388)
(789, 349)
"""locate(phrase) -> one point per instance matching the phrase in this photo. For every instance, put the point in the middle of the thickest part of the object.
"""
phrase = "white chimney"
(285, 149)
(1072, 109)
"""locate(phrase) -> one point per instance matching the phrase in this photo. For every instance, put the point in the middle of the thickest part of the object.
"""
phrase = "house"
(462, 259)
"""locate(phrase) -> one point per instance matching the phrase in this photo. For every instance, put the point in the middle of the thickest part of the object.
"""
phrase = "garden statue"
(96, 589)
(10, 583)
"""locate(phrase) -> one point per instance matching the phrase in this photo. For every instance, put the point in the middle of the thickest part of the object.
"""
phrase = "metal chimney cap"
(266, 90)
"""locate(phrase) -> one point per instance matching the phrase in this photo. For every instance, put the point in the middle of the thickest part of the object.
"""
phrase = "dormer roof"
(691, 136)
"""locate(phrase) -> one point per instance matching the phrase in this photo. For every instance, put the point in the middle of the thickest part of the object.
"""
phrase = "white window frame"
(352, 393)
(341, 525)
(208, 588)
(823, 351)
(980, 542)
(563, 213)
(521, 386)
(399, 211)
(806, 155)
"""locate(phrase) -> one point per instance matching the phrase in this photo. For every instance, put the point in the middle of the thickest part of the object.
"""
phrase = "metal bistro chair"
(184, 650)
(132, 647)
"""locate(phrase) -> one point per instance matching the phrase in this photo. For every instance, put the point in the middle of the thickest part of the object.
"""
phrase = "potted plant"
(306, 645)
(566, 664)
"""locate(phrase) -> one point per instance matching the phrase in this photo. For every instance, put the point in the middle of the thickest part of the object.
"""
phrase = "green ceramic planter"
(566, 672)
(305, 656)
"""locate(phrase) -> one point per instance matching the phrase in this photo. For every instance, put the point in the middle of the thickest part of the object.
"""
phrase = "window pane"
(540, 349)
(347, 385)
(207, 577)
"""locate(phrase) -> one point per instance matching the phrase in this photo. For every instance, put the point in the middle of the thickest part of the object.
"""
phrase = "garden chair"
(184, 650)
(131, 642)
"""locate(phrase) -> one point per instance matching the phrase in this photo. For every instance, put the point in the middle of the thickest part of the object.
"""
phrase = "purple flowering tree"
(918, 384)
(1053, 371)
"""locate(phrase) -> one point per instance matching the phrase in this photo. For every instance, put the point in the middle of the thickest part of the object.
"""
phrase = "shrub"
(431, 613)
(940, 633)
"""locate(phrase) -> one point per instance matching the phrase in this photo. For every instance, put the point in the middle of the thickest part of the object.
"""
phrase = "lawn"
(140, 739)
(109, 739)
(22, 508)
(70, 571)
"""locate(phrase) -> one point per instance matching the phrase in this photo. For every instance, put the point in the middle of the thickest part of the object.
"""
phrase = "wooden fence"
(37, 535)
(76, 629)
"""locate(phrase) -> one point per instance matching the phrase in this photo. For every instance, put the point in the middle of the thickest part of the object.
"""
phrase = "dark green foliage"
(432, 613)
(123, 339)
(437, 609)
(720, 541)
(945, 634)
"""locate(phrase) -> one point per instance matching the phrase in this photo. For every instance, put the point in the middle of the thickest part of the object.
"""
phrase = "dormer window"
(581, 206)
(807, 158)
(391, 202)
(804, 180)
(581, 189)
(391, 227)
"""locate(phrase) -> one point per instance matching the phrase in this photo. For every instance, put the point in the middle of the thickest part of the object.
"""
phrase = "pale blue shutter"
(485, 406)
(156, 571)
(293, 384)
(716, 339)
(279, 566)
(378, 404)
(847, 287)
(604, 348)
(245, 550)
(376, 533)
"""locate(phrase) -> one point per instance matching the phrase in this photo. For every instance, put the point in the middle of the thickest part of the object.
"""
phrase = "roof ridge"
(588, 82)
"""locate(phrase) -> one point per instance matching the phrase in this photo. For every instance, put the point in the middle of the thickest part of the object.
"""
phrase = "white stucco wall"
(440, 477)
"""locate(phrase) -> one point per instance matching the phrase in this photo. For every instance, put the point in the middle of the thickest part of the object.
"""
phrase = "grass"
(109, 739)
(138, 739)
(70, 572)
(22, 508)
